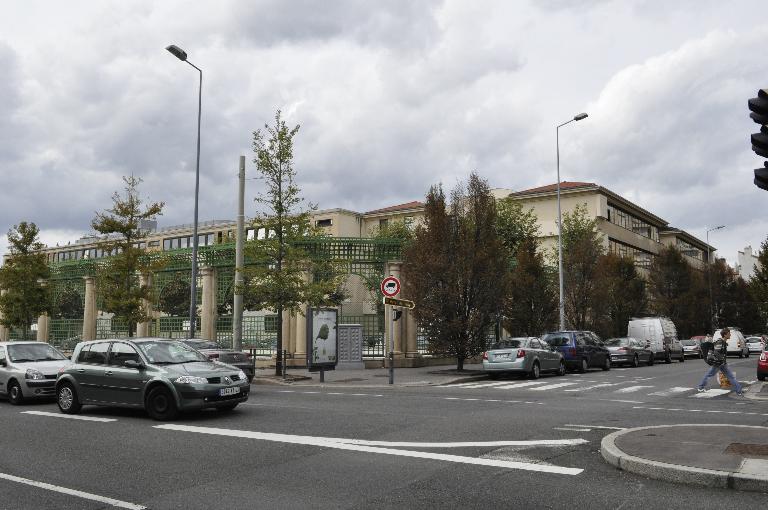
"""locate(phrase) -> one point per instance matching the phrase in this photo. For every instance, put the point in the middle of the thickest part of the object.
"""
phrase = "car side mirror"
(131, 363)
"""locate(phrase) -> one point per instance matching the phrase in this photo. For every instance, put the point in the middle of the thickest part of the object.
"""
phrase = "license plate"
(501, 356)
(229, 391)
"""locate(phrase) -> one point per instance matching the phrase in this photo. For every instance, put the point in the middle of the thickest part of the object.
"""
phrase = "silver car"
(29, 370)
(527, 355)
(754, 343)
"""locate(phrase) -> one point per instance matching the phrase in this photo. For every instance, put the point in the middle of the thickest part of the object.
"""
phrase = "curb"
(677, 473)
(310, 382)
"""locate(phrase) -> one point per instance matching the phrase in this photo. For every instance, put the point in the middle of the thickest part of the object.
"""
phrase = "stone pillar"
(89, 312)
(287, 330)
(411, 335)
(208, 314)
(43, 327)
(300, 337)
(143, 328)
(289, 342)
(394, 270)
(4, 332)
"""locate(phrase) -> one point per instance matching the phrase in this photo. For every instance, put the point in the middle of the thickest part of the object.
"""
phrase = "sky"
(392, 97)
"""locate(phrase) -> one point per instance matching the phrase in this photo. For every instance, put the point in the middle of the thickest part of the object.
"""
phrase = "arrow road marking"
(336, 444)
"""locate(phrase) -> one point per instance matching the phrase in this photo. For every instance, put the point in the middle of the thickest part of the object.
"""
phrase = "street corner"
(724, 456)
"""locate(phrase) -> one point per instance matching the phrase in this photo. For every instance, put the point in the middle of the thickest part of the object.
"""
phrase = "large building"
(747, 263)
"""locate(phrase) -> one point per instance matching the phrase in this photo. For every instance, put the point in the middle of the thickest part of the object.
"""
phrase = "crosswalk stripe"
(632, 389)
(551, 386)
(711, 393)
(671, 391)
(513, 386)
(479, 385)
(586, 388)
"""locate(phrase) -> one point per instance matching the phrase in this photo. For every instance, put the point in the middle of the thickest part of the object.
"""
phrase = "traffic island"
(720, 456)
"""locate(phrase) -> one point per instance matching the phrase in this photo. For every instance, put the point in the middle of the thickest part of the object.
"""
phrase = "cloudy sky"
(391, 96)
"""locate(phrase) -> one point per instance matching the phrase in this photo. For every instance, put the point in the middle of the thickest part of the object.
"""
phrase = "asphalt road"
(374, 447)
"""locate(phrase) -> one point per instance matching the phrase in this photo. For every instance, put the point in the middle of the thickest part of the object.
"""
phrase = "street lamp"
(580, 116)
(709, 279)
(182, 55)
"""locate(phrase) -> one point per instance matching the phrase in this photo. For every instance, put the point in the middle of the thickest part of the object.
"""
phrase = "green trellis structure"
(364, 259)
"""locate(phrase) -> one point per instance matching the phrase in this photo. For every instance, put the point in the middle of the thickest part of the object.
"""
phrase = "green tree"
(117, 279)
(456, 268)
(278, 279)
(393, 230)
(25, 298)
(68, 305)
(530, 307)
(516, 226)
(582, 249)
(623, 294)
(174, 298)
(671, 283)
(758, 284)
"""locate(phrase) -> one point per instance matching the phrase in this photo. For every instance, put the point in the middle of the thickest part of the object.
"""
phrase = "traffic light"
(759, 108)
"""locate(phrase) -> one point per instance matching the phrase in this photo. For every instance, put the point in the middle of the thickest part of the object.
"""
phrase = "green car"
(162, 376)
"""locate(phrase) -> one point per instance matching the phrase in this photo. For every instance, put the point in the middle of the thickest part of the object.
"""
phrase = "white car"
(737, 345)
(29, 370)
(754, 343)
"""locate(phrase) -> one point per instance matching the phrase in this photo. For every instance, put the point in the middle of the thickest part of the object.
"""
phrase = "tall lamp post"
(580, 116)
(709, 279)
(182, 55)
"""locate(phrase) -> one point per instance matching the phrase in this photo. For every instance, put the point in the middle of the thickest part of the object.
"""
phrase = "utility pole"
(237, 319)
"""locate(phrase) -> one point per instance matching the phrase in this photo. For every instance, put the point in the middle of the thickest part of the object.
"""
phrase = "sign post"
(390, 287)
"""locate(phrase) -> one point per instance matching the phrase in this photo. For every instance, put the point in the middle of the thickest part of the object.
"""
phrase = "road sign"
(390, 286)
(402, 303)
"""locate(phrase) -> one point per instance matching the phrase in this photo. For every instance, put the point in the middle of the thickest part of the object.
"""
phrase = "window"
(324, 223)
(209, 239)
(250, 234)
(270, 323)
(408, 222)
(629, 222)
(383, 223)
(153, 244)
(641, 258)
(120, 353)
(2, 352)
(94, 353)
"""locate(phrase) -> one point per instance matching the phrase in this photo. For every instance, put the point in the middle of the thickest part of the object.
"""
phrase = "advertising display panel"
(322, 338)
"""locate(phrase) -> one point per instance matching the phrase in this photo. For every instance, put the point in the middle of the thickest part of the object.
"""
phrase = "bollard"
(285, 358)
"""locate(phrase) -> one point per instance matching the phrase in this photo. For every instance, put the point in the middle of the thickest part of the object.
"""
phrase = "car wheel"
(747, 355)
(651, 359)
(607, 363)
(160, 404)
(67, 400)
(561, 369)
(14, 394)
(636, 361)
(226, 409)
(761, 377)
(741, 354)
(250, 379)
(668, 357)
(535, 371)
(682, 357)
(584, 365)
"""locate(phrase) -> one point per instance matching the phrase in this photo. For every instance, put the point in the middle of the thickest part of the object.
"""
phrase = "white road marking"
(572, 429)
(520, 385)
(72, 492)
(586, 388)
(551, 386)
(671, 391)
(465, 444)
(699, 411)
(331, 443)
(711, 393)
(622, 401)
(594, 426)
(68, 416)
(632, 389)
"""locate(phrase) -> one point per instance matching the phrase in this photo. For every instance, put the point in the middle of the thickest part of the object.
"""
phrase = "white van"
(660, 335)
(737, 344)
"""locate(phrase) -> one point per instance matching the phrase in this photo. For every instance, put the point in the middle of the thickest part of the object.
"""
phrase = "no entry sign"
(390, 286)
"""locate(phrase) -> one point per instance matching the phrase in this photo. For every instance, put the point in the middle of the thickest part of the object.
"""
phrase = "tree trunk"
(459, 362)
(279, 358)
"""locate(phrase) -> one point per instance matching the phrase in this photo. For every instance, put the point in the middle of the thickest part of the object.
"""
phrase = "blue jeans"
(724, 369)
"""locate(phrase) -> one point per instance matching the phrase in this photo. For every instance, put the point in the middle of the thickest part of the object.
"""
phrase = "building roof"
(396, 208)
(553, 187)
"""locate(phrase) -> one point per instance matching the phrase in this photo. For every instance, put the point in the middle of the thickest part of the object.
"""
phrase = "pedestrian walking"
(706, 346)
(716, 358)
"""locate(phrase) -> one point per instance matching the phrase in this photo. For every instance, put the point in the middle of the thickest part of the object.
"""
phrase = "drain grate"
(748, 450)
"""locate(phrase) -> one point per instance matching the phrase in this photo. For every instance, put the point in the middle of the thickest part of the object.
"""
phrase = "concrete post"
(89, 312)
(43, 327)
(4, 332)
(208, 313)
(300, 337)
(143, 328)
(411, 335)
(394, 270)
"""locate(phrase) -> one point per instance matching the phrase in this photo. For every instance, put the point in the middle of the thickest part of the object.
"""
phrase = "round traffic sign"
(390, 286)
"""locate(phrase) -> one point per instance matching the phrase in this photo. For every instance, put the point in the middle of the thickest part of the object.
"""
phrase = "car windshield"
(507, 344)
(616, 342)
(557, 340)
(753, 339)
(166, 353)
(33, 352)
(688, 342)
(198, 344)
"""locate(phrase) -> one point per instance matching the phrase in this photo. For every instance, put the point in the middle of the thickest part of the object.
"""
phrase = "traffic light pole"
(391, 344)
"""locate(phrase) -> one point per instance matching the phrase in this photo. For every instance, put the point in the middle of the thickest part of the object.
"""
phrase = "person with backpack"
(716, 359)
(706, 346)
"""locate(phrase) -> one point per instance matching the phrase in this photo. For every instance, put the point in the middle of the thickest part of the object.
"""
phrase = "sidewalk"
(372, 377)
(720, 456)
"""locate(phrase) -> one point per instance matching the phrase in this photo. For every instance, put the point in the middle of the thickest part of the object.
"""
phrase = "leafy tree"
(530, 308)
(515, 226)
(174, 298)
(622, 293)
(455, 270)
(118, 282)
(69, 304)
(671, 283)
(582, 249)
(740, 308)
(758, 284)
(393, 230)
(25, 299)
(282, 259)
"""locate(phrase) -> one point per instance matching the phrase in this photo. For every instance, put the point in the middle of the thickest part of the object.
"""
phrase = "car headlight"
(190, 379)
(241, 376)
(34, 374)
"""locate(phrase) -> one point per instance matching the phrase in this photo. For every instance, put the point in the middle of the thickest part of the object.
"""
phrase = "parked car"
(660, 334)
(628, 351)
(737, 345)
(692, 348)
(581, 350)
(529, 356)
(28, 370)
(755, 343)
(215, 352)
(161, 376)
(762, 366)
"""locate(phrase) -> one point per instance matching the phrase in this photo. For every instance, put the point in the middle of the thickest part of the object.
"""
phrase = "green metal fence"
(373, 333)
(65, 333)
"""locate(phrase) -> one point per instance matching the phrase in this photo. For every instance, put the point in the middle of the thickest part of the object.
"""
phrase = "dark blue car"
(581, 350)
